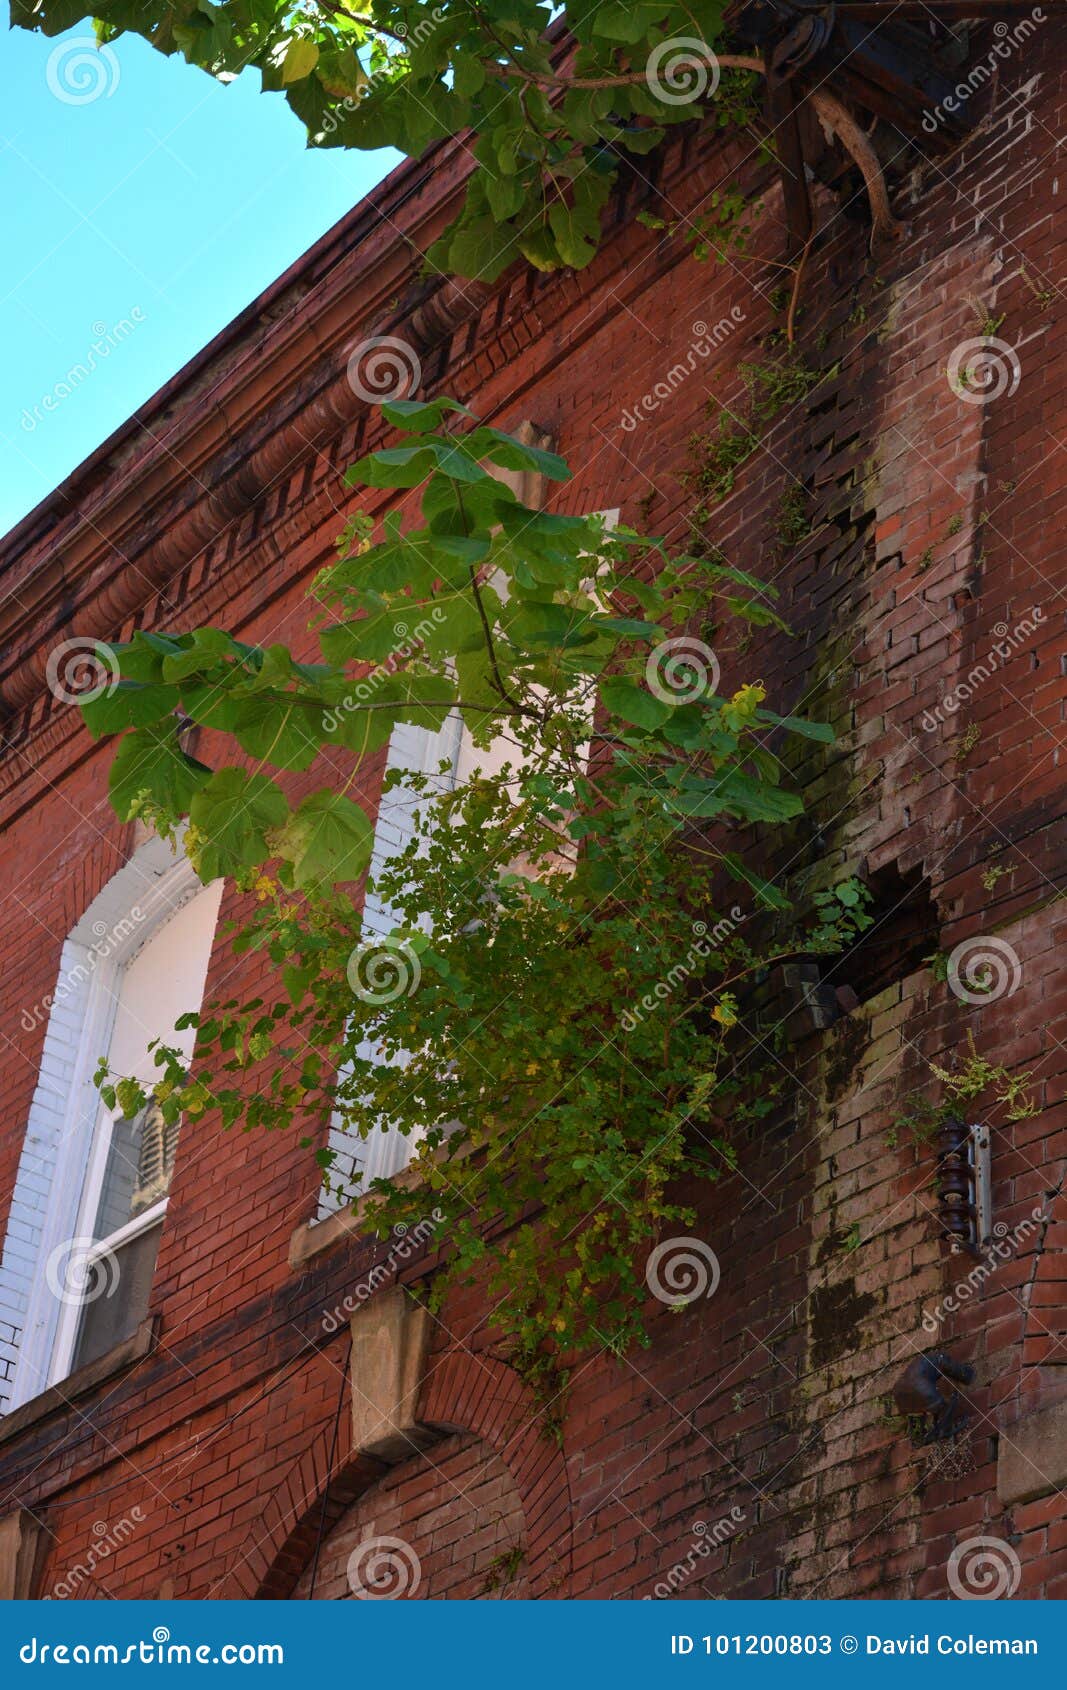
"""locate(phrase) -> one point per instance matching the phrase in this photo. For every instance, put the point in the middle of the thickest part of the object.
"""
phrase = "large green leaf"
(327, 840)
(279, 728)
(151, 760)
(130, 704)
(233, 812)
(634, 703)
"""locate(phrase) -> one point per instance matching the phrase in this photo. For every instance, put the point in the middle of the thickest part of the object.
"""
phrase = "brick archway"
(461, 1393)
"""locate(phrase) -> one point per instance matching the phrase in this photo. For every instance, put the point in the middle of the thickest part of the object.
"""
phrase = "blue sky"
(142, 218)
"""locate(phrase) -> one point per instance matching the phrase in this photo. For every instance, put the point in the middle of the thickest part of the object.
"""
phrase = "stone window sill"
(313, 1238)
(84, 1379)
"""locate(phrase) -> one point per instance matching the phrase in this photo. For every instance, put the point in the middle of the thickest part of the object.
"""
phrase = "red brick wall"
(757, 1422)
(457, 1528)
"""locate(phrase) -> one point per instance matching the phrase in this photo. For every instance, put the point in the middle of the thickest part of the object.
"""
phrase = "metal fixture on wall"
(963, 1185)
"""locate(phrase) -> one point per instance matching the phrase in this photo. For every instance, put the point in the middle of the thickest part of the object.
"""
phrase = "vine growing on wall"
(555, 1021)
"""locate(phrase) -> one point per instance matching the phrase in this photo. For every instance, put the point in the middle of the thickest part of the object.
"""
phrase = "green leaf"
(367, 639)
(143, 658)
(634, 703)
(421, 416)
(328, 840)
(753, 800)
(206, 647)
(508, 453)
(575, 235)
(406, 466)
(279, 728)
(820, 731)
(301, 57)
(151, 760)
(130, 704)
(233, 812)
(480, 250)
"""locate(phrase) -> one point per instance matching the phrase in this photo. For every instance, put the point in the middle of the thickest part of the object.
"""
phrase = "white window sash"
(49, 1330)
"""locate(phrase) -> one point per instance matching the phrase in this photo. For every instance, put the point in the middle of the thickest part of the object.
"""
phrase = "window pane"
(140, 1161)
(116, 1296)
(163, 980)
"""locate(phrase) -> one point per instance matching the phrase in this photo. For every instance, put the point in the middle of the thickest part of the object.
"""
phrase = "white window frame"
(69, 1131)
(412, 750)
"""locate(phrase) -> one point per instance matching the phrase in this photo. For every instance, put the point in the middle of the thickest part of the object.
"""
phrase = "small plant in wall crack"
(716, 455)
(540, 901)
(972, 1080)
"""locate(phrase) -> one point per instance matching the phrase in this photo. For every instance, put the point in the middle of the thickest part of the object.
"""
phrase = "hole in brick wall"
(904, 931)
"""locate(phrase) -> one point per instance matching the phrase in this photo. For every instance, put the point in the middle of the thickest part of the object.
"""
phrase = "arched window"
(91, 1190)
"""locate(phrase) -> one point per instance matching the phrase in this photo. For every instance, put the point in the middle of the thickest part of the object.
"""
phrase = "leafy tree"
(555, 1016)
(556, 1019)
(555, 98)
